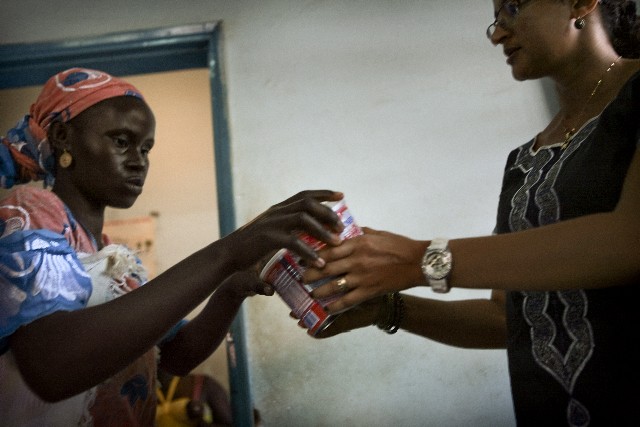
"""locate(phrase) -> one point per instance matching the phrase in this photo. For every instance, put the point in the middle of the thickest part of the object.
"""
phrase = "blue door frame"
(150, 51)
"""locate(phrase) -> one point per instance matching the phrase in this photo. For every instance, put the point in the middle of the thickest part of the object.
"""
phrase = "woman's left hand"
(245, 284)
(368, 266)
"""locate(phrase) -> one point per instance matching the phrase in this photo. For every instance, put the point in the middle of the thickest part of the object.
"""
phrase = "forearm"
(593, 251)
(590, 252)
(202, 335)
(64, 353)
(476, 323)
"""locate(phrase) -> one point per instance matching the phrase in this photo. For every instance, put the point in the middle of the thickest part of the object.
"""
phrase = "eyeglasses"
(511, 9)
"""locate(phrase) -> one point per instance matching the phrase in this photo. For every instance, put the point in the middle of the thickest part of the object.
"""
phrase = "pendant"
(567, 138)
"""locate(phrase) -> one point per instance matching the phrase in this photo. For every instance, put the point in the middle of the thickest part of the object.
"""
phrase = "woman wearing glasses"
(564, 261)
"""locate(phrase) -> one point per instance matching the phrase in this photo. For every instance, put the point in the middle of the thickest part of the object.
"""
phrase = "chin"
(123, 204)
(521, 75)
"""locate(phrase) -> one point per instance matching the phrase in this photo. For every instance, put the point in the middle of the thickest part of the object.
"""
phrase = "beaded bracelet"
(385, 316)
(398, 312)
(393, 305)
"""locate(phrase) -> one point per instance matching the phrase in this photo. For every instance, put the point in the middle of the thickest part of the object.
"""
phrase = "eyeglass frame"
(512, 10)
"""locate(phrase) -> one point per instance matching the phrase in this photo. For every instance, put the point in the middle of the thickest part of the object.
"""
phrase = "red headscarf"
(25, 153)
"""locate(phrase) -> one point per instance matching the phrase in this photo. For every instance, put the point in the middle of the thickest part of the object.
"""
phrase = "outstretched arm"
(65, 353)
(593, 251)
(477, 323)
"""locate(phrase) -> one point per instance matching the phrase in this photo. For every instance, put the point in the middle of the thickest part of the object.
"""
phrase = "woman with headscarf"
(79, 333)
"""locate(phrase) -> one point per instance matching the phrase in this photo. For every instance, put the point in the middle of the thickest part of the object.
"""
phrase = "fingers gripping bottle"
(284, 272)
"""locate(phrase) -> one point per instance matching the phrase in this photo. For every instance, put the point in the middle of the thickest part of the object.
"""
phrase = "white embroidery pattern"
(532, 166)
(563, 364)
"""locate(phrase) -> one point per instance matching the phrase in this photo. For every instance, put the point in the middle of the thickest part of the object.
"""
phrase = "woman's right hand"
(374, 264)
(280, 227)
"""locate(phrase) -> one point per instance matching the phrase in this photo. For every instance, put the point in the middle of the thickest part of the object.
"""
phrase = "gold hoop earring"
(580, 23)
(65, 159)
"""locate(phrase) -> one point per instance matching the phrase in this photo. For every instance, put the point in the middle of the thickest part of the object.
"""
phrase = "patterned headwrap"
(25, 152)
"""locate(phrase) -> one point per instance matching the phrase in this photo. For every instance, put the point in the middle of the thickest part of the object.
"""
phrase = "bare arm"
(202, 335)
(65, 353)
(592, 251)
(477, 323)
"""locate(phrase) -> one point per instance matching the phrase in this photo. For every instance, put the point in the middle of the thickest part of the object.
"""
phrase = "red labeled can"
(284, 273)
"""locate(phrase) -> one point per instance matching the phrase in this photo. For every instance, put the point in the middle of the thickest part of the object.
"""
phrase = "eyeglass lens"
(510, 8)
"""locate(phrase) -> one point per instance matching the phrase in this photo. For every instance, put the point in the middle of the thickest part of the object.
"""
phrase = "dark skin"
(110, 143)
(477, 323)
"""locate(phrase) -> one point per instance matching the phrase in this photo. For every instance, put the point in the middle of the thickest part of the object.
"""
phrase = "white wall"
(404, 106)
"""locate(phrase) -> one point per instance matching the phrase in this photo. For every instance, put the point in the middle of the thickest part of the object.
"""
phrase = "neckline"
(534, 151)
(77, 223)
(559, 144)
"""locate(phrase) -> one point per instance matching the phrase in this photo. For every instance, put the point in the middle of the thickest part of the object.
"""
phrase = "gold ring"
(342, 285)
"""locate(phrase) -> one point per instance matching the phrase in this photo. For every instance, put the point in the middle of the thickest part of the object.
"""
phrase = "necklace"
(568, 133)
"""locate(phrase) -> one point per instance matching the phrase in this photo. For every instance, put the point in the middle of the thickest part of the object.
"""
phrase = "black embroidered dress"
(574, 356)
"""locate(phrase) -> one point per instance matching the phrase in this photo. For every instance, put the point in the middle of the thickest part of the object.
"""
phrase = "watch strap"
(440, 245)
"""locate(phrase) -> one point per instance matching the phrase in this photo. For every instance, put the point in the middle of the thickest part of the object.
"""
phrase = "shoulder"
(518, 152)
(624, 110)
(27, 208)
(31, 198)
(631, 89)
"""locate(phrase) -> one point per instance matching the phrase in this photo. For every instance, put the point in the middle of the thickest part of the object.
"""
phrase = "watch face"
(438, 264)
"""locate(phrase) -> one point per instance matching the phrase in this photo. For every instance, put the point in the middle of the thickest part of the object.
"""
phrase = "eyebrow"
(497, 11)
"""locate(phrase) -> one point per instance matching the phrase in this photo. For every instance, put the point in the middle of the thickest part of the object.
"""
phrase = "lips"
(509, 51)
(135, 183)
(136, 180)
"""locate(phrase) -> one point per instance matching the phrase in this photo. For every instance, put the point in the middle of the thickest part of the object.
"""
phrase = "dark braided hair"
(623, 26)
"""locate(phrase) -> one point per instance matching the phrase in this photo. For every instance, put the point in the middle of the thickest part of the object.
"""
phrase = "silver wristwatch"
(436, 265)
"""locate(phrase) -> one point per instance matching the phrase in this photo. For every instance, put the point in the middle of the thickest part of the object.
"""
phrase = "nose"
(499, 33)
(137, 159)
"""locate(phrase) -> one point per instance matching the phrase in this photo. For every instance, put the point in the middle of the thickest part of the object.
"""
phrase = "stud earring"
(65, 159)
(580, 23)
